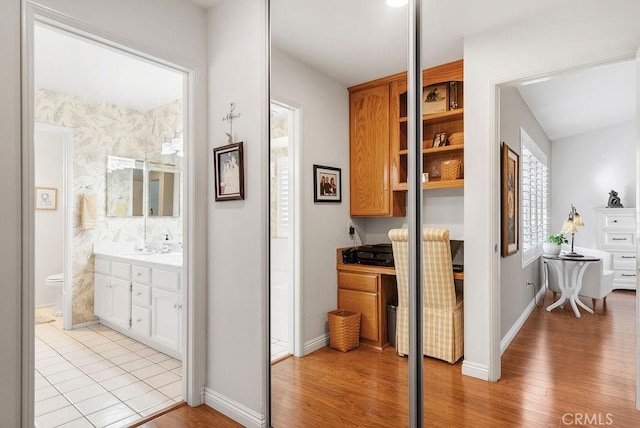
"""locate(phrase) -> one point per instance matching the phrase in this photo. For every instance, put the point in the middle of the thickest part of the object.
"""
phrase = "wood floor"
(559, 371)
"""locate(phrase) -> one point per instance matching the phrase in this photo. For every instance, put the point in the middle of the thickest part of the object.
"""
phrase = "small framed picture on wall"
(327, 184)
(46, 198)
(228, 162)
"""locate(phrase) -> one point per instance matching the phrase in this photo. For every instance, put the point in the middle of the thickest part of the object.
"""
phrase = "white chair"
(597, 281)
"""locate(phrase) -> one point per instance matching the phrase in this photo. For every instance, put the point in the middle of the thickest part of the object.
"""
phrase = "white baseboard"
(236, 411)
(515, 328)
(315, 344)
(85, 324)
(477, 370)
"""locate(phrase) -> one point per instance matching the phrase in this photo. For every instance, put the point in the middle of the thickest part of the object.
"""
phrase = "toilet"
(57, 281)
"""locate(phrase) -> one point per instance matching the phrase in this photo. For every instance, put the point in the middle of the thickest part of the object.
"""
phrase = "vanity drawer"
(167, 280)
(102, 266)
(620, 220)
(624, 261)
(121, 270)
(618, 240)
(141, 294)
(357, 281)
(141, 274)
(141, 320)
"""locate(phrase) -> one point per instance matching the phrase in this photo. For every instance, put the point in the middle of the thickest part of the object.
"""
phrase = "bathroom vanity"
(139, 294)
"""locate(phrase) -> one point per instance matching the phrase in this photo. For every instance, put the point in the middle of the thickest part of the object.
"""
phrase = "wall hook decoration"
(229, 118)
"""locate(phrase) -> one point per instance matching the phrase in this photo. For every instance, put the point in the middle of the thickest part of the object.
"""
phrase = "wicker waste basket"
(344, 330)
(450, 169)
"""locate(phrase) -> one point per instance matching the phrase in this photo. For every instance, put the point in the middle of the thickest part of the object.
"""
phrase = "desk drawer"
(367, 305)
(358, 281)
(624, 261)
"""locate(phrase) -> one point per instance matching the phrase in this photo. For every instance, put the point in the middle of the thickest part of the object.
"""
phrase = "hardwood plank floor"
(558, 371)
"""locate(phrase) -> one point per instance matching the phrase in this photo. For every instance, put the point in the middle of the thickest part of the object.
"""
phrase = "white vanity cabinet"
(616, 234)
(140, 299)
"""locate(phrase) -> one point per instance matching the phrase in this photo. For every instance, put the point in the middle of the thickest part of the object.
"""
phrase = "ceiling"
(585, 100)
(74, 66)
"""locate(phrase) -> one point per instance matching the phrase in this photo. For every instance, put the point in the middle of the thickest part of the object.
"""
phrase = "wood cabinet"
(369, 161)
(449, 121)
(141, 300)
(378, 140)
(616, 233)
(367, 290)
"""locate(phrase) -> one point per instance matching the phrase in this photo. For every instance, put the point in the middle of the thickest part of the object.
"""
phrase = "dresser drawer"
(619, 221)
(626, 276)
(357, 281)
(121, 270)
(141, 274)
(141, 320)
(615, 239)
(624, 261)
(367, 305)
(102, 266)
(165, 279)
(141, 294)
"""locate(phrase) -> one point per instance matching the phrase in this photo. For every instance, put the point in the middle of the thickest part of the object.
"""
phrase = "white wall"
(557, 40)
(11, 215)
(325, 141)
(514, 294)
(585, 168)
(236, 355)
(49, 225)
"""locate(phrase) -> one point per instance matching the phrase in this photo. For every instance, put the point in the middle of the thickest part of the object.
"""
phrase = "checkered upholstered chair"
(443, 318)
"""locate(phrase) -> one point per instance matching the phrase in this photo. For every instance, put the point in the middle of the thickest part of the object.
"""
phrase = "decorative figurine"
(614, 200)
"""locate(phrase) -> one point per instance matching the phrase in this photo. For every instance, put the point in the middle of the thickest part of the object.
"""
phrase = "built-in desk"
(368, 290)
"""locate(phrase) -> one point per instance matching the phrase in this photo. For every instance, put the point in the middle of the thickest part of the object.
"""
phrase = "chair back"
(438, 287)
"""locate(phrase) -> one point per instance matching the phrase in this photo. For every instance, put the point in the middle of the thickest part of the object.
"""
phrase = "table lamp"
(570, 225)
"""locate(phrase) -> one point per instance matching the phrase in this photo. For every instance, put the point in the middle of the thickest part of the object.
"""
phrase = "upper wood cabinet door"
(369, 152)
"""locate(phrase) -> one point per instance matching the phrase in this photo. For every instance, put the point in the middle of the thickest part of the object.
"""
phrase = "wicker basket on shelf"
(450, 169)
(456, 139)
(344, 330)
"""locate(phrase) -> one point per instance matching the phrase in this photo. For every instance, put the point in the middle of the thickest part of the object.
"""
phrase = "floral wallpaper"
(100, 130)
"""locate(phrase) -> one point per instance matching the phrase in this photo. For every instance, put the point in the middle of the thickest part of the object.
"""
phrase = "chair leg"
(594, 305)
(604, 301)
(554, 296)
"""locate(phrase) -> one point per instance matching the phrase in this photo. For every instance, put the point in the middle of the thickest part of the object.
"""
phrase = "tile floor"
(97, 377)
(279, 349)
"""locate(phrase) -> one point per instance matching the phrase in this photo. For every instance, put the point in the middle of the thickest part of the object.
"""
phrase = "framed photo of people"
(228, 164)
(327, 184)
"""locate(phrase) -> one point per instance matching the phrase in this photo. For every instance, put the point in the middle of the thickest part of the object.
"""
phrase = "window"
(283, 196)
(535, 188)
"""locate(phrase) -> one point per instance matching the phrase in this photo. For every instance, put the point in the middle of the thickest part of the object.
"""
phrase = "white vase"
(551, 249)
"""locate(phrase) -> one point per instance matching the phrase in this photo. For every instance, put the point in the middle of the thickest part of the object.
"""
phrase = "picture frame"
(46, 198)
(439, 139)
(510, 195)
(228, 166)
(327, 184)
(435, 98)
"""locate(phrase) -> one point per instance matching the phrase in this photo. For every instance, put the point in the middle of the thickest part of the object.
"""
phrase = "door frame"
(194, 254)
(67, 190)
(495, 356)
(296, 331)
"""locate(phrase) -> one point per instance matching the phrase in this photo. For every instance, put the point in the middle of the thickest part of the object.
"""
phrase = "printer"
(376, 255)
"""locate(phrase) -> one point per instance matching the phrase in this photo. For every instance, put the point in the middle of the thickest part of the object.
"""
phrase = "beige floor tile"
(146, 401)
(58, 417)
(172, 390)
(147, 372)
(46, 392)
(119, 381)
(107, 374)
(64, 376)
(157, 407)
(163, 379)
(131, 391)
(97, 403)
(136, 364)
(171, 364)
(111, 415)
(72, 384)
(50, 404)
(85, 393)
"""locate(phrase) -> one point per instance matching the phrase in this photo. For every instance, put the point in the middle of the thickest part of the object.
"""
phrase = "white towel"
(88, 212)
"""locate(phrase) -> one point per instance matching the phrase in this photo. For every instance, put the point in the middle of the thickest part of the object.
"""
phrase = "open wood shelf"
(439, 117)
(435, 183)
(436, 149)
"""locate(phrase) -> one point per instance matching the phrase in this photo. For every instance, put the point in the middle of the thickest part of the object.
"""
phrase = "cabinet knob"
(139, 320)
(615, 221)
(139, 293)
(179, 306)
(175, 306)
(139, 273)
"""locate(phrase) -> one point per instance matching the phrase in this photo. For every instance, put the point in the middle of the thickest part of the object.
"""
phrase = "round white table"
(569, 271)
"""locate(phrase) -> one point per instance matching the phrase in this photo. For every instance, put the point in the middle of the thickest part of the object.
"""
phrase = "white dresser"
(616, 233)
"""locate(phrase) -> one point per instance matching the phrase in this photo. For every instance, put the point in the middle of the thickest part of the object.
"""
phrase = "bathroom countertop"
(164, 259)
